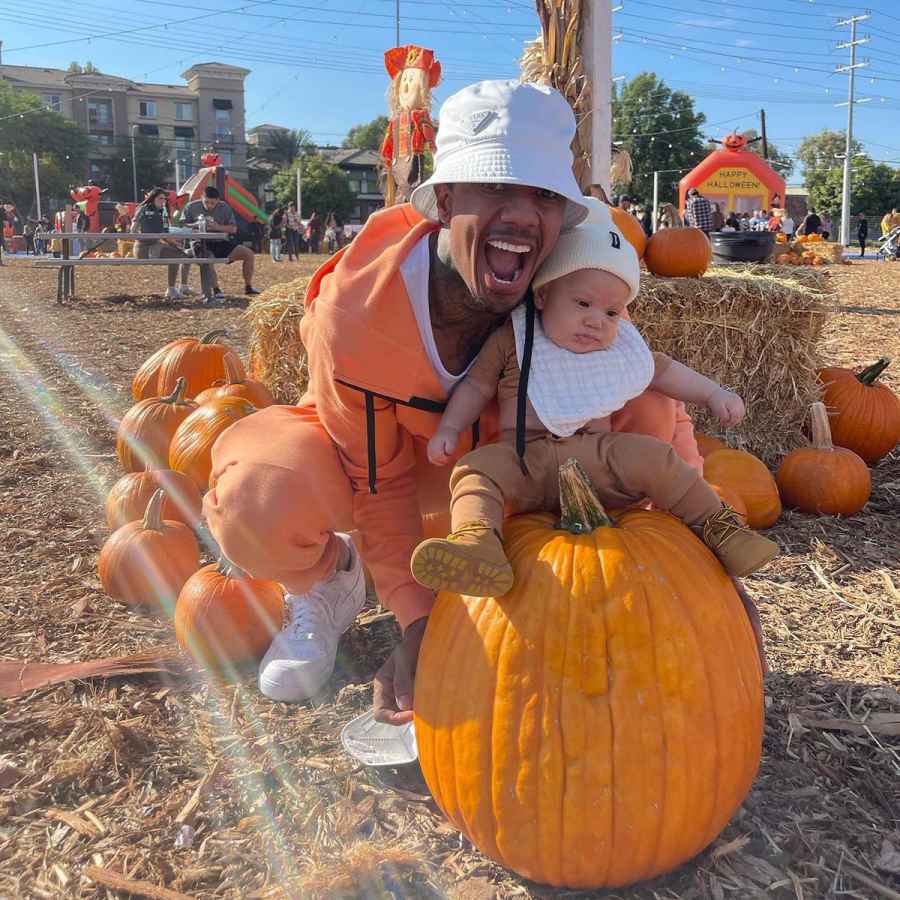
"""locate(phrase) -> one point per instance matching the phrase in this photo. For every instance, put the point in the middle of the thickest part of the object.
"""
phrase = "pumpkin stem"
(821, 430)
(227, 568)
(212, 336)
(153, 520)
(582, 511)
(870, 373)
(232, 375)
(177, 395)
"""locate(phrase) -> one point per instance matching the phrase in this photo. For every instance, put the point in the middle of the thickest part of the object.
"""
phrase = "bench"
(65, 285)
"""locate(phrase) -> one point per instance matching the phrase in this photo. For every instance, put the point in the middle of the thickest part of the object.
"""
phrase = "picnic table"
(65, 284)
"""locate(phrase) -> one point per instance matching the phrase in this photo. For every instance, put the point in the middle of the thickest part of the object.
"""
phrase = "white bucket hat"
(505, 132)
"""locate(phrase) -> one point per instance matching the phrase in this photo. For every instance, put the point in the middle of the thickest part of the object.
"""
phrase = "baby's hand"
(727, 407)
(442, 445)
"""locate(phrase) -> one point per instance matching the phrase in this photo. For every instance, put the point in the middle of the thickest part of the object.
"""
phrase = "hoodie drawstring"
(524, 369)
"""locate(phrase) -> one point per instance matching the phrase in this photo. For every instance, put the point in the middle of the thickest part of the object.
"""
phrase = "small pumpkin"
(601, 722)
(224, 618)
(236, 384)
(191, 449)
(146, 563)
(784, 259)
(146, 430)
(707, 443)
(631, 229)
(199, 361)
(824, 479)
(678, 252)
(865, 414)
(128, 498)
(747, 476)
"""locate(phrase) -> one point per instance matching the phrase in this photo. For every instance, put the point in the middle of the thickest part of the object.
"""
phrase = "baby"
(583, 360)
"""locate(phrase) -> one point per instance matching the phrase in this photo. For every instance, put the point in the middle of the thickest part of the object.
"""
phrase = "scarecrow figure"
(88, 199)
(414, 73)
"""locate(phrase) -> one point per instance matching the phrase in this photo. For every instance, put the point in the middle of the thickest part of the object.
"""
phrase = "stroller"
(889, 245)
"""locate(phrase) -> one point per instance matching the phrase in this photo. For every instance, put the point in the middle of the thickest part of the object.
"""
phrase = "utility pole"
(397, 20)
(133, 165)
(597, 60)
(655, 201)
(300, 187)
(37, 185)
(851, 100)
(762, 131)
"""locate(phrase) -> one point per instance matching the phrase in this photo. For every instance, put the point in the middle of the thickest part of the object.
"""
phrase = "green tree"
(26, 127)
(660, 130)
(285, 145)
(874, 189)
(821, 155)
(368, 136)
(75, 68)
(152, 162)
(325, 188)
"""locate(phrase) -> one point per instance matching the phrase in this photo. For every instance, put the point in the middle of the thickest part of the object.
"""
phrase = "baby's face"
(580, 311)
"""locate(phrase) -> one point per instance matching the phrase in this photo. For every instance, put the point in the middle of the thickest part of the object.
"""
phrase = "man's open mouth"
(506, 263)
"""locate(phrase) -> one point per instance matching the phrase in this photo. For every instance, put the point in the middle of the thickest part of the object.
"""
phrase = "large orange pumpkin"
(678, 252)
(128, 498)
(145, 432)
(824, 479)
(730, 496)
(191, 449)
(747, 476)
(146, 563)
(631, 229)
(237, 384)
(600, 723)
(707, 443)
(224, 618)
(199, 361)
(865, 414)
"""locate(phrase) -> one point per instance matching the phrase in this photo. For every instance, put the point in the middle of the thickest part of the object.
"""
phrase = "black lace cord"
(522, 396)
(370, 440)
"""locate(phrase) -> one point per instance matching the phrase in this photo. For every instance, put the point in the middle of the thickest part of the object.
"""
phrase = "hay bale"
(753, 329)
(277, 355)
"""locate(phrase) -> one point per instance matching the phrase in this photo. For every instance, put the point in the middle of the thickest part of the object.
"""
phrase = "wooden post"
(597, 53)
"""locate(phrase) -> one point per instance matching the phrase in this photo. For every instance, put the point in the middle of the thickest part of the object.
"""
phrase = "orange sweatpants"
(489, 482)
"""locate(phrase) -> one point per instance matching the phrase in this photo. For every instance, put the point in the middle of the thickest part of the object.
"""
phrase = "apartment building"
(207, 112)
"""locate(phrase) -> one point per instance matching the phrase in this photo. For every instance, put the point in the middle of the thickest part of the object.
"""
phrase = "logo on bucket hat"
(481, 119)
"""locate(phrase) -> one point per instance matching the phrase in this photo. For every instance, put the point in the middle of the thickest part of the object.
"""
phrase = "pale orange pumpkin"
(678, 252)
(747, 476)
(601, 722)
(199, 361)
(731, 497)
(824, 479)
(128, 498)
(146, 563)
(631, 229)
(191, 449)
(146, 430)
(865, 413)
(707, 443)
(224, 618)
(237, 384)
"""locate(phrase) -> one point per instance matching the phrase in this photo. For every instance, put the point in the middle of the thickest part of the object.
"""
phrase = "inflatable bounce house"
(735, 178)
(245, 205)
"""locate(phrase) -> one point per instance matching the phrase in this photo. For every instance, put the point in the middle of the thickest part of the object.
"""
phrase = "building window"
(100, 169)
(52, 101)
(354, 185)
(184, 112)
(100, 113)
(225, 156)
(147, 109)
(149, 130)
(105, 139)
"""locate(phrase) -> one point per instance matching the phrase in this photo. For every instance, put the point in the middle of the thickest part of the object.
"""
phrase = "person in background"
(3, 207)
(647, 221)
(732, 223)
(276, 221)
(39, 232)
(718, 220)
(890, 220)
(219, 217)
(862, 232)
(292, 226)
(122, 222)
(811, 223)
(314, 232)
(330, 234)
(28, 232)
(774, 223)
(825, 229)
(151, 217)
(787, 225)
(698, 212)
(745, 221)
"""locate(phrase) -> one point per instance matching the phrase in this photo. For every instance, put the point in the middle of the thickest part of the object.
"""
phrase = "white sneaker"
(301, 658)
(187, 291)
(173, 294)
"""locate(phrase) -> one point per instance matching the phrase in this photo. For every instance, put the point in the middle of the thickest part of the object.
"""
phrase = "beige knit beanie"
(595, 244)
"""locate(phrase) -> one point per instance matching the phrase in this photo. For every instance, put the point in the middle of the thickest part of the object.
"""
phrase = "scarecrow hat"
(412, 57)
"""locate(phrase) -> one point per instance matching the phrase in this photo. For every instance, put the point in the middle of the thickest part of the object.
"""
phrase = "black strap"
(421, 403)
(370, 439)
(524, 370)
(476, 433)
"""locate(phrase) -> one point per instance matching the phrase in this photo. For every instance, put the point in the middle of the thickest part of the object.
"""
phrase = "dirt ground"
(202, 790)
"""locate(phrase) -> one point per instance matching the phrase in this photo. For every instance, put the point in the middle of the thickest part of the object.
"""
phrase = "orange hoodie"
(377, 395)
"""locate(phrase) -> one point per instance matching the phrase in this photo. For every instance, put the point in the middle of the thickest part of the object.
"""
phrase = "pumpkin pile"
(188, 392)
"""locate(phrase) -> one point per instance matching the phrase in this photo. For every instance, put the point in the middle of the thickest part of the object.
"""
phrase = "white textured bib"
(568, 390)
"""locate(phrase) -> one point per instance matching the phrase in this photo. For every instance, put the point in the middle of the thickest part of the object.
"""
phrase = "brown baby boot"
(469, 561)
(740, 549)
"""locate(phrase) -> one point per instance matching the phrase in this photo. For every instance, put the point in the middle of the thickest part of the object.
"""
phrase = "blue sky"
(318, 65)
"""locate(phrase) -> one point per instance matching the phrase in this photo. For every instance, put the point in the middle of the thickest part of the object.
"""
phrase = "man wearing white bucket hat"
(392, 323)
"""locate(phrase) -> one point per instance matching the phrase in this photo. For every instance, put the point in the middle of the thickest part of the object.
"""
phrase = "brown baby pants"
(624, 469)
